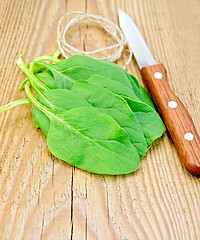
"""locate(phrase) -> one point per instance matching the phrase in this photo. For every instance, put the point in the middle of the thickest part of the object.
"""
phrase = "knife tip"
(119, 11)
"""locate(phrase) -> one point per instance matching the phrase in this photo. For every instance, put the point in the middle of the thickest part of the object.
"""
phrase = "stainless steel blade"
(135, 40)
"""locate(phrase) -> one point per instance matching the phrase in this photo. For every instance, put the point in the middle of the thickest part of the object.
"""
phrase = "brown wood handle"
(175, 116)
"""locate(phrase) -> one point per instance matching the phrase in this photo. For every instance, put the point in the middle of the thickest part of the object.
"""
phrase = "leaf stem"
(14, 104)
(30, 75)
(39, 93)
(23, 83)
(35, 102)
(47, 58)
(35, 86)
(31, 67)
(39, 69)
(57, 53)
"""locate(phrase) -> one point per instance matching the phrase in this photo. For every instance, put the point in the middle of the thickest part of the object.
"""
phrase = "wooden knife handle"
(175, 116)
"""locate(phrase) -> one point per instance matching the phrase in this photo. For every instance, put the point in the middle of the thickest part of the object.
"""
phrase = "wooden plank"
(43, 197)
(79, 181)
(35, 192)
(151, 203)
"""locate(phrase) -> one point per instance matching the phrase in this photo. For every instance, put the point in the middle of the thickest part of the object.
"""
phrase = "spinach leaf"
(143, 95)
(151, 123)
(79, 67)
(101, 116)
(139, 91)
(61, 100)
(116, 107)
(144, 122)
(95, 115)
(88, 139)
(114, 72)
(103, 101)
(47, 78)
(41, 120)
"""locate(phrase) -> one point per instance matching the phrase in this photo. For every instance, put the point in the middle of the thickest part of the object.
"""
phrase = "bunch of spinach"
(94, 114)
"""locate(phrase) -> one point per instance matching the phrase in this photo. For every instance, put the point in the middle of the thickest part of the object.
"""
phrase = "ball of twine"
(72, 19)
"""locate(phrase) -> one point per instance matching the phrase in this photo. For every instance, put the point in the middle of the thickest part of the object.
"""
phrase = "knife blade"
(173, 112)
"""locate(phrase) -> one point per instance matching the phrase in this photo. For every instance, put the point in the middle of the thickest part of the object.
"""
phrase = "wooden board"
(41, 197)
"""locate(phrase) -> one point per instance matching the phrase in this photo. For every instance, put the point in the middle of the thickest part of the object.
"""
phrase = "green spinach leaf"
(151, 123)
(95, 115)
(77, 67)
(100, 99)
(88, 139)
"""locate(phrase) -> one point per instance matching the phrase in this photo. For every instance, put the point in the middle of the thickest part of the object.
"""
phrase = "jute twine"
(72, 19)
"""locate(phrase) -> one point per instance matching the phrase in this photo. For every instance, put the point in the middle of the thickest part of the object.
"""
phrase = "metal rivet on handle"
(172, 104)
(188, 136)
(158, 75)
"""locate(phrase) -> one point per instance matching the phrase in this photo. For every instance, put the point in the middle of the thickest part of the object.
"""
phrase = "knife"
(173, 112)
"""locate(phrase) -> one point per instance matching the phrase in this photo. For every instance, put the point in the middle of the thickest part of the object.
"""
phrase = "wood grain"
(44, 198)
